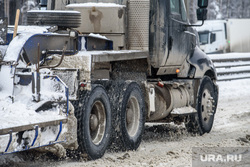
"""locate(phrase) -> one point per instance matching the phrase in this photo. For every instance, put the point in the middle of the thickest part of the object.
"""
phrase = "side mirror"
(202, 10)
(202, 3)
(201, 14)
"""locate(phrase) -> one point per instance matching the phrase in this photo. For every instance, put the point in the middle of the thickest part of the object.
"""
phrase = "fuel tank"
(167, 98)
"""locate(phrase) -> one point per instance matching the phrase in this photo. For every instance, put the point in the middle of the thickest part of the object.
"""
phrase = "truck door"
(178, 43)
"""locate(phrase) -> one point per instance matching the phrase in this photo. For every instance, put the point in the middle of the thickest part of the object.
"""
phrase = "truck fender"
(202, 63)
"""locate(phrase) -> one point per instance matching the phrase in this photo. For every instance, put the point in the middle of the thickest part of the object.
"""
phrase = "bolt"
(210, 98)
(210, 114)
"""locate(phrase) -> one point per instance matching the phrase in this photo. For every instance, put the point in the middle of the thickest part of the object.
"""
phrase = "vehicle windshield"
(203, 36)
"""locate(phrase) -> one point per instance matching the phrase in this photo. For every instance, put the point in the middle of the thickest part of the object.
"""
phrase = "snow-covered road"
(167, 144)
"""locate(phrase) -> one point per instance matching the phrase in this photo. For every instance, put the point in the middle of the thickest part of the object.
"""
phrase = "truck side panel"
(239, 35)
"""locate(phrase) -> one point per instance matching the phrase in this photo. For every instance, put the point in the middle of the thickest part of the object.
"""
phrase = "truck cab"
(169, 32)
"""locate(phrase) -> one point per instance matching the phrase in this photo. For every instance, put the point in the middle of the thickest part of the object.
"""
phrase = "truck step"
(183, 111)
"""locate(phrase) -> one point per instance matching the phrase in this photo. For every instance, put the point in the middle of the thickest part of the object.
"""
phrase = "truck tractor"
(92, 74)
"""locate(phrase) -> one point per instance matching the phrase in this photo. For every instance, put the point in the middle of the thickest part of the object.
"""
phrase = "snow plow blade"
(20, 138)
(27, 124)
(32, 126)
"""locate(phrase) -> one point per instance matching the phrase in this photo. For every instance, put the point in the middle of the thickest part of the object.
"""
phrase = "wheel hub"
(97, 122)
(129, 116)
(132, 116)
(93, 122)
(207, 105)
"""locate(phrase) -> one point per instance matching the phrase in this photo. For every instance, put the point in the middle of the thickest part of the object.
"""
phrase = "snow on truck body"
(41, 125)
(26, 122)
(145, 69)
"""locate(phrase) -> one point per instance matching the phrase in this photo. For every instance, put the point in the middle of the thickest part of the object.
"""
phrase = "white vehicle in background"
(213, 36)
(220, 36)
(238, 33)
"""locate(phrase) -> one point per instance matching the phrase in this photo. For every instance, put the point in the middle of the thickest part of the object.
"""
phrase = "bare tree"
(28, 5)
(223, 9)
(192, 11)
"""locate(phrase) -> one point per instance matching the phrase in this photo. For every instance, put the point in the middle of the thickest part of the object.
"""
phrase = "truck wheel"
(94, 123)
(206, 108)
(54, 18)
(132, 117)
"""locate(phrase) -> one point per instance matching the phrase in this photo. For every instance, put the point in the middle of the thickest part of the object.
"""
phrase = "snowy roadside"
(168, 144)
(171, 145)
(230, 66)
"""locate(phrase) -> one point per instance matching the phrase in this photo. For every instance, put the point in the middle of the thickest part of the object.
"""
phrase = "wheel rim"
(97, 122)
(206, 106)
(132, 116)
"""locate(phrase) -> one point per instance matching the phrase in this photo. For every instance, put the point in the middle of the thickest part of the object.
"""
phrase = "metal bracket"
(66, 89)
(10, 140)
(60, 130)
(36, 129)
(9, 63)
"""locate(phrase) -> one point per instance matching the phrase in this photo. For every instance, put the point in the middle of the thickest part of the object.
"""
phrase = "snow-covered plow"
(42, 71)
(34, 103)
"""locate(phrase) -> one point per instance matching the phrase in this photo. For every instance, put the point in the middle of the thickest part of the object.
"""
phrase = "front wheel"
(206, 104)
(94, 123)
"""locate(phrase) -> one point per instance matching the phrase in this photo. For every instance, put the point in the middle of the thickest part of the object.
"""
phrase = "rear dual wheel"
(132, 117)
(94, 123)
(129, 115)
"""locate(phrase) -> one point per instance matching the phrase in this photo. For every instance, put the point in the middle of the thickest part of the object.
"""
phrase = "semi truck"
(92, 76)
(221, 36)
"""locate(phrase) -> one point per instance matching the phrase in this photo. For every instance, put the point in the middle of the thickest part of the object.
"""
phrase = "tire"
(131, 116)
(94, 123)
(206, 105)
(54, 18)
